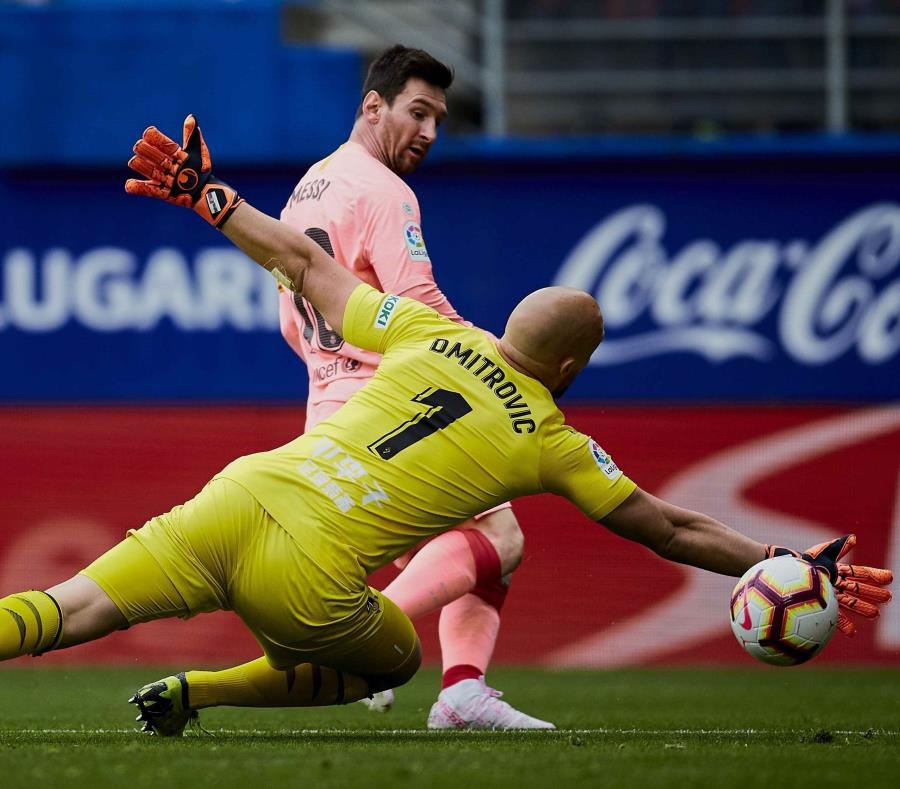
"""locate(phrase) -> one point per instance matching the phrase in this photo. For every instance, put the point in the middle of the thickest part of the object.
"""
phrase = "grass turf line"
(798, 727)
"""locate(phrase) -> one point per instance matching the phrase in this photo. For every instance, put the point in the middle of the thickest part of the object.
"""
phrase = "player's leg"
(475, 556)
(30, 624)
(87, 611)
(122, 587)
(469, 626)
(327, 639)
(385, 656)
(465, 572)
(379, 649)
(468, 631)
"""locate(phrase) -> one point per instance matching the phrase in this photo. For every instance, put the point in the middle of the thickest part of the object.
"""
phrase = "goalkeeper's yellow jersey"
(444, 430)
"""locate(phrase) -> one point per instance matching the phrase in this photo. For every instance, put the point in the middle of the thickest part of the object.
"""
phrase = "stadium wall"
(751, 371)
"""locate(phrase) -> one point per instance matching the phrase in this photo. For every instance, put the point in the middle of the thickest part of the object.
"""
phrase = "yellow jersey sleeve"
(575, 466)
(375, 321)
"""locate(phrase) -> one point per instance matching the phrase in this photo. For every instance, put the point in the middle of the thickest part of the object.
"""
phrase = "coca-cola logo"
(819, 300)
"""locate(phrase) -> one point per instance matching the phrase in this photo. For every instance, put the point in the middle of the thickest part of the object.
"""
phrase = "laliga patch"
(604, 462)
(415, 243)
(385, 311)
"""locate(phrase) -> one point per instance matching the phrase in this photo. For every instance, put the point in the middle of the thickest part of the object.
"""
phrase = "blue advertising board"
(720, 280)
(76, 79)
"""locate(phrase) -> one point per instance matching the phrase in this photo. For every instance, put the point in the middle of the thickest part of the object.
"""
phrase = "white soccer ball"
(784, 611)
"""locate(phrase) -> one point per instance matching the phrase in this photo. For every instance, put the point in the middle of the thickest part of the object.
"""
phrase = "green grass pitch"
(655, 728)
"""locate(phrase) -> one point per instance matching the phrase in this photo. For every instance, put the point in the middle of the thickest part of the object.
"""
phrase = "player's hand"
(859, 589)
(181, 174)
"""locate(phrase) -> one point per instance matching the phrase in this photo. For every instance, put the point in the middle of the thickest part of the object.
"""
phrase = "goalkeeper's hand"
(859, 589)
(181, 174)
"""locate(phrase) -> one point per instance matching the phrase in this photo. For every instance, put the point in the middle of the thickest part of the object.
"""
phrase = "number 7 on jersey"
(444, 408)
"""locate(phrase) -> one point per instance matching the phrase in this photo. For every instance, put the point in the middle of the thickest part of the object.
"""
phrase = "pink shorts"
(316, 412)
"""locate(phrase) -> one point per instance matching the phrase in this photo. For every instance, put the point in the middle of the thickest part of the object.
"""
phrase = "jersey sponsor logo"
(322, 480)
(604, 462)
(415, 243)
(330, 463)
(407, 209)
(325, 372)
(385, 311)
(494, 378)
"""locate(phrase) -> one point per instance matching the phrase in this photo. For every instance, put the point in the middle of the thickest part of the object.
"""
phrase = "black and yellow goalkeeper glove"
(859, 589)
(181, 174)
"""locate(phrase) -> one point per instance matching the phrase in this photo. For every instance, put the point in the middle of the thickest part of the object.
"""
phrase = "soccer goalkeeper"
(452, 424)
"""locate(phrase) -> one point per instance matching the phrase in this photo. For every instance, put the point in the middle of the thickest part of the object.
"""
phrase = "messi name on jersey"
(493, 377)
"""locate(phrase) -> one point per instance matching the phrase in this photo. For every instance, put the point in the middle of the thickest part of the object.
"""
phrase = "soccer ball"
(783, 611)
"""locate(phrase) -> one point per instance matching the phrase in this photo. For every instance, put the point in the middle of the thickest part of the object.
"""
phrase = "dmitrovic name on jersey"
(444, 430)
(507, 391)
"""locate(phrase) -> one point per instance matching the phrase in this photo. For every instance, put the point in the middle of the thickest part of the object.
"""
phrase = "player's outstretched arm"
(684, 536)
(696, 539)
(296, 261)
(182, 175)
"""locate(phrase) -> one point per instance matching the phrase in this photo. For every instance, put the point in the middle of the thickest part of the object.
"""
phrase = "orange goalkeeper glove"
(859, 589)
(181, 174)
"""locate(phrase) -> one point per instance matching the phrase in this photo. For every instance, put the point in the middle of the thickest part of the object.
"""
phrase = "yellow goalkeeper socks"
(257, 684)
(30, 623)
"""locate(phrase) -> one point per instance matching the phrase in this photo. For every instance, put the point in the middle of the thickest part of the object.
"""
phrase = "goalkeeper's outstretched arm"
(699, 540)
(684, 536)
(297, 261)
(182, 175)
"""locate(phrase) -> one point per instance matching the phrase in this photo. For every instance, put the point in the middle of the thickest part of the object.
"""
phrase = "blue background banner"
(78, 77)
(722, 277)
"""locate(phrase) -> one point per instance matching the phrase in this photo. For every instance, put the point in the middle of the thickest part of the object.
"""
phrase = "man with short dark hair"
(357, 208)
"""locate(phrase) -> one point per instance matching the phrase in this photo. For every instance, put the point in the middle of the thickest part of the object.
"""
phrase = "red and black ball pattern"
(774, 634)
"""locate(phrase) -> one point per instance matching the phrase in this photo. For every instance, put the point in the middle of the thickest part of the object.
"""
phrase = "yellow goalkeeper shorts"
(222, 550)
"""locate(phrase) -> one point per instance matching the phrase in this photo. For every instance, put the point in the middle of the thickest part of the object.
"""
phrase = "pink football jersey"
(367, 219)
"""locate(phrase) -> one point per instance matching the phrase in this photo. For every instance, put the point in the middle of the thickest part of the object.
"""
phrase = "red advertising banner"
(72, 480)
